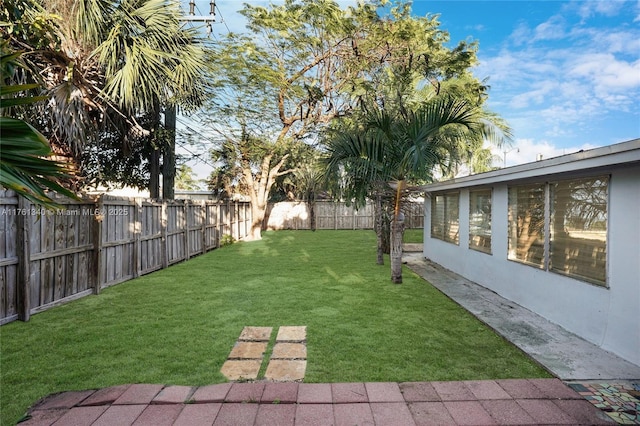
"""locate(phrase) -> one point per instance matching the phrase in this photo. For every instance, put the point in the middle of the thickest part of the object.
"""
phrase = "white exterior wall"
(607, 317)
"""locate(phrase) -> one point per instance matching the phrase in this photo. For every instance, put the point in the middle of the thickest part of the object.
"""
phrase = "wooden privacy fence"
(48, 258)
(335, 215)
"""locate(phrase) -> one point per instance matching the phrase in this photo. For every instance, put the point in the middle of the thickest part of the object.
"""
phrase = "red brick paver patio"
(499, 402)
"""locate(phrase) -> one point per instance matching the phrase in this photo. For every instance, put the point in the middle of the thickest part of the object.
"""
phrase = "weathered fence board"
(50, 257)
(335, 215)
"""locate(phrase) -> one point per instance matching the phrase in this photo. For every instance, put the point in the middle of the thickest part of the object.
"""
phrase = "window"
(480, 220)
(579, 229)
(526, 224)
(561, 227)
(445, 217)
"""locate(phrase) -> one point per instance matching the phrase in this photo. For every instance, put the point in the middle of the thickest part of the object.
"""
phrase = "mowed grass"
(177, 326)
(413, 236)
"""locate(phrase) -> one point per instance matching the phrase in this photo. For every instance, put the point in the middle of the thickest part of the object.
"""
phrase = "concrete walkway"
(564, 354)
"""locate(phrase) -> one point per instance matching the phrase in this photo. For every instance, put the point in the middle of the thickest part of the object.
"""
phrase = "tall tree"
(107, 64)
(185, 180)
(305, 63)
(24, 164)
(389, 151)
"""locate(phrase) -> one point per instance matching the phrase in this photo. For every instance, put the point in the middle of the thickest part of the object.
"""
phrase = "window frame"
(445, 234)
(554, 234)
(549, 231)
(476, 192)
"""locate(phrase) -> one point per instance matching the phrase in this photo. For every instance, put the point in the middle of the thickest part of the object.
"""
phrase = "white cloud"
(564, 79)
(590, 8)
(529, 150)
(552, 29)
(606, 72)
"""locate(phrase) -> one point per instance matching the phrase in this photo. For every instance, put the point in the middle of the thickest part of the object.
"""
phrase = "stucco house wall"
(606, 316)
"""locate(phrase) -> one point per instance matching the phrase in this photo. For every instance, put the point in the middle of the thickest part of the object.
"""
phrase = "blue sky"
(564, 74)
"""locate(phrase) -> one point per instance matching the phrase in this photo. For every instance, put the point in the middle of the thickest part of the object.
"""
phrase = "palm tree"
(24, 166)
(388, 152)
(106, 64)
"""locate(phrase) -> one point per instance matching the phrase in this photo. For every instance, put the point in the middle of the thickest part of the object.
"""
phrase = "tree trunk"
(259, 188)
(154, 155)
(154, 174)
(169, 155)
(312, 215)
(258, 211)
(379, 230)
(397, 228)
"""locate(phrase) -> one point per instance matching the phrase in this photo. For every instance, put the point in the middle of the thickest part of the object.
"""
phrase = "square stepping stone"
(241, 369)
(292, 334)
(255, 334)
(289, 351)
(248, 350)
(285, 370)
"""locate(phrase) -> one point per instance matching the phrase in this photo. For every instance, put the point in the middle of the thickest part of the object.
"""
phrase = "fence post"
(204, 215)
(220, 225)
(23, 222)
(353, 217)
(233, 221)
(137, 233)
(164, 240)
(98, 216)
(185, 226)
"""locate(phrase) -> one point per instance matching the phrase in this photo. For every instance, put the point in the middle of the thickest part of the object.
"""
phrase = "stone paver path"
(245, 359)
(288, 361)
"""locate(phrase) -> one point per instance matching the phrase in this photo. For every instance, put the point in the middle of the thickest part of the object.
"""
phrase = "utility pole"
(169, 151)
(504, 162)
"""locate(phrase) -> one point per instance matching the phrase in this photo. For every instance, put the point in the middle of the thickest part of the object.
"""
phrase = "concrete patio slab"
(392, 414)
(507, 412)
(289, 351)
(348, 393)
(120, 415)
(106, 395)
(173, 395)
(430, 413)
(469, 413)
(419, 392)
(236, 414)
(314, 415)
(211, 393)
(353, 414)
(248, 350)
(197, 414)
(285, 370)
(292, 334)
(281, 393)
(383, 392)
(241, 369)
(81, 415)
(486, 389)
(159, 415)
(63, 400)
(245, 392)
(138, 394)
(276, 414)
(314, 393)
(256, 334)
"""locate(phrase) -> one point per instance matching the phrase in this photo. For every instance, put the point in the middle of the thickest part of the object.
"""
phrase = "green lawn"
(178, 325)
(413, 236)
